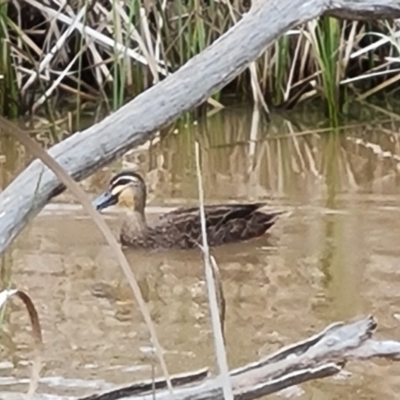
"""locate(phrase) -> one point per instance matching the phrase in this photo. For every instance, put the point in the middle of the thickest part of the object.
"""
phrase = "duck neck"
(134, 223)
(138, 218)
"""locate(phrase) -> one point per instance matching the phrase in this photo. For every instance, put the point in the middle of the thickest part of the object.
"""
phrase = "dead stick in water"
(210, 272)
(321, 355)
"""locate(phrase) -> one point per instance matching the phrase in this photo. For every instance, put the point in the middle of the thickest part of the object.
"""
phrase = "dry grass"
(97, 54)
(5, 296)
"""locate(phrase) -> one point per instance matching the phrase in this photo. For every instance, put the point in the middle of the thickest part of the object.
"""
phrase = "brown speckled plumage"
(181, 228)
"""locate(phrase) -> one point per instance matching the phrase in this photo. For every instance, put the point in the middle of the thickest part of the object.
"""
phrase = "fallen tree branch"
(191, 85)
(363, 9)
(150, 385)
(321, 355)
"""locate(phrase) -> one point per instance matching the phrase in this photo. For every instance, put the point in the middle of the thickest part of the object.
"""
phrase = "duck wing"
(224, 223)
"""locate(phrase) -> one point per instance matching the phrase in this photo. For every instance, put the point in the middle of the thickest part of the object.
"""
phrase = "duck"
(180, 228)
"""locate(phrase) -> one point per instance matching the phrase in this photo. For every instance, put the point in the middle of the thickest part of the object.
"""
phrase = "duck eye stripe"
(124, 180)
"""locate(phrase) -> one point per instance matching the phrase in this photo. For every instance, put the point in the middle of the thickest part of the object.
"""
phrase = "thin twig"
(62, 175)
(212, 297)
(36, 334)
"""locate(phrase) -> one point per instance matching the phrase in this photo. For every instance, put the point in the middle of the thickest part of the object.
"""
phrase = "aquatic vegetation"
(8, 84)
(103, 55)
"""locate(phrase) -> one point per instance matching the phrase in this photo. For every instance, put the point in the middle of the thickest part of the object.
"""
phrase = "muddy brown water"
(335, 257)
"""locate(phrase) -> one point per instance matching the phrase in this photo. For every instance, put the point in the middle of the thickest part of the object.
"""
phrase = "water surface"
(335, 257)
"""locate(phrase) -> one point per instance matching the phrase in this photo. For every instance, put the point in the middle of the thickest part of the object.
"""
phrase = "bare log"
(191, 85)
(321, 355)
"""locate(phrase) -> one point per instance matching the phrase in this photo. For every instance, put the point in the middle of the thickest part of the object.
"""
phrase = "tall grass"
(105, 53)
(326, 37)
(8, 84)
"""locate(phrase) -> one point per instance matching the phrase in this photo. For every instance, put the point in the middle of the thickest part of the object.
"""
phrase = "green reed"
(118, 70)
(282, 50)
(173, 32)
(8, 86)
(326, 40)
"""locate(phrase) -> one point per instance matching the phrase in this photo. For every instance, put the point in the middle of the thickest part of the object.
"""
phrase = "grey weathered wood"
(321, 355)
(191, 85)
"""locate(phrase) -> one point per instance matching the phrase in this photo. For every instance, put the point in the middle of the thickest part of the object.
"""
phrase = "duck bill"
(104, 200)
